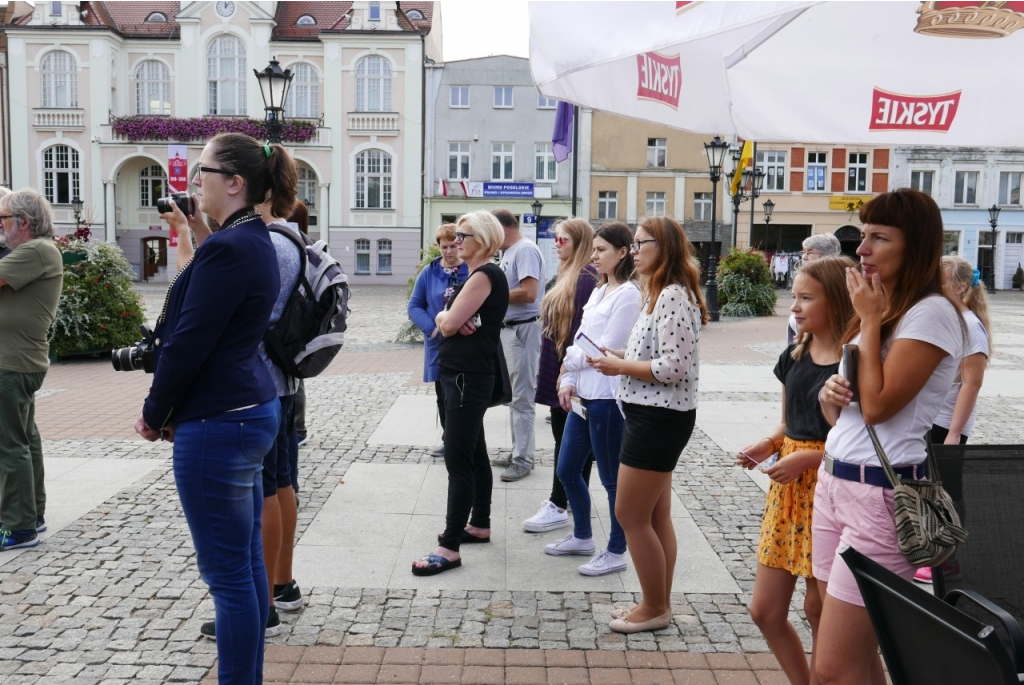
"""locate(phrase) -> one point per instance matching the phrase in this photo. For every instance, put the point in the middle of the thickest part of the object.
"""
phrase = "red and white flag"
(465, 188)
(442, 188)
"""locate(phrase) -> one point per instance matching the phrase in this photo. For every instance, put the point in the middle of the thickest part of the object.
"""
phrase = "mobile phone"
(850, 368)
(588, 346)
(578, 408)
(753, 461)
(770, 461)
(476, 320)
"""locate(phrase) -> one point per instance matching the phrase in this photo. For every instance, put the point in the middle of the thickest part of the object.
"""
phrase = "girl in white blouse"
(658, 391)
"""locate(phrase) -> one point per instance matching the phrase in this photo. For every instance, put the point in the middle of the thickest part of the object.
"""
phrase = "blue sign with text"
(508, 190)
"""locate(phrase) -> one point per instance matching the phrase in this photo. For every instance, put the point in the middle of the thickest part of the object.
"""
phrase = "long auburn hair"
(960, 271)
(676, 263)
(830, 272)
(559, 304)
(918, 217)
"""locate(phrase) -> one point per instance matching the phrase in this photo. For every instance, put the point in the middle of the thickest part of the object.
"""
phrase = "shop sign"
(847, 203)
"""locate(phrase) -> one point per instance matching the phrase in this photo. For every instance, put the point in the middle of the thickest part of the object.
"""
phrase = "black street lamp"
(76, 205)
(715, 150)
(751, 182)
(769, 207)
(993, 221)
(536, 206)
(274, 84)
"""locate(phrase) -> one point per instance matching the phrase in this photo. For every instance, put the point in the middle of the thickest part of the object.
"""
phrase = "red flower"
(96, 280)
(103, 327)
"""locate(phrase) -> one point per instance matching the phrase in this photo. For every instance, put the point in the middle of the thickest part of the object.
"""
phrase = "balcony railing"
(323, 138)
(373, 123)
(53, 119)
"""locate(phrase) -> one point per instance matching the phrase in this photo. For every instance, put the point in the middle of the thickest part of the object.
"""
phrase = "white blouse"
(670, 339)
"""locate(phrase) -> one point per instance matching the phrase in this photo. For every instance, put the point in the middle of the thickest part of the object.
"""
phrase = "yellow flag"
(745, 156)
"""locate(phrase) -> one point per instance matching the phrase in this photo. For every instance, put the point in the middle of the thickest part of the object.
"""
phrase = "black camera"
(183, 200)
(138, 356)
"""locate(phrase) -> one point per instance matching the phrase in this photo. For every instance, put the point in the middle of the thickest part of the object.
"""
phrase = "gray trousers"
(22, 495)
(522, 354)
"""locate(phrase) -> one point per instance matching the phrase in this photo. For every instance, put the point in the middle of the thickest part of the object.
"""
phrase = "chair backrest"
(924, 640)
(987, 484)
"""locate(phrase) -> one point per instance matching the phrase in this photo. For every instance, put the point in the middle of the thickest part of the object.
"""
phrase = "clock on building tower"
(225, 9)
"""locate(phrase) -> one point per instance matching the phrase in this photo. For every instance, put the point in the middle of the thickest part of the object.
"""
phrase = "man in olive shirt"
(31, 277)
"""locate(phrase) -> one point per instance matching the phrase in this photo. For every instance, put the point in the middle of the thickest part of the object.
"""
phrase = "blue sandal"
(435, 564)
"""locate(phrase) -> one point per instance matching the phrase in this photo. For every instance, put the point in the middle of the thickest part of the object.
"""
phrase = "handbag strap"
(890, 472)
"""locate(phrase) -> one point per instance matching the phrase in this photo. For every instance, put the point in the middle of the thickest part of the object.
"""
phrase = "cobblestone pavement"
(115, 597)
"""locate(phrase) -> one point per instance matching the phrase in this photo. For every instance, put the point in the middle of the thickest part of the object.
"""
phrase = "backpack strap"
(301, 247)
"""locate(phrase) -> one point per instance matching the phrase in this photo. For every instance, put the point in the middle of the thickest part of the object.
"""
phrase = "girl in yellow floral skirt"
(822, 310)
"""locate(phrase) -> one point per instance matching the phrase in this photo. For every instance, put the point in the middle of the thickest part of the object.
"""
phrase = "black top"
(475, 353)
(803, 381)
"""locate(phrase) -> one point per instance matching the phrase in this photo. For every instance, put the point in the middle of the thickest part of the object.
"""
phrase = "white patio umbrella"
(878, 73)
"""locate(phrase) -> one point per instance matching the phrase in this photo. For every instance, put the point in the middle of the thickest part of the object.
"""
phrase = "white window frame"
(374, 13)
(655, 199)
(545, 102)
(153, 86)
(58, 73)
(607, 204)
(919, 183)
(455, 100)
(384, 252)
(773, 164)
(152, 185)
(306, 187)
(304, 95)
(657, 151)
(1014, 238)
(504, 97)
(544, 163)
(373, 165)
(305, 20)
(817, 172)
(459, 153)
(1006, 188)
(504, 154)
(60, 161)
(362, 250)
(960, 179)
(373, 84)
(857, 174)
(225, 75)
(702, 206)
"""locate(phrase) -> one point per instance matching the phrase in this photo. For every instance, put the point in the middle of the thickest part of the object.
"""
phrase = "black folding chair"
(927, 641)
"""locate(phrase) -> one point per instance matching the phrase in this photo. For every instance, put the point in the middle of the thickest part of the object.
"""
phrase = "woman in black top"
(470, 324)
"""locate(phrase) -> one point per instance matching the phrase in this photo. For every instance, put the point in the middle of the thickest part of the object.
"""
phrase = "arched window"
(157, 17)
(384, 256)
(152, 88)
(305, 20)
(152, 185)
(414, 14)
(60, 80)
(225, 76)
(306, 188)
(373, 85)
(304, 95)
(373, 180)
(60, 174)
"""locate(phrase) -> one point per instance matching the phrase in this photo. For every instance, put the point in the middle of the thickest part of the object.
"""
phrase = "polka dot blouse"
(670, 339)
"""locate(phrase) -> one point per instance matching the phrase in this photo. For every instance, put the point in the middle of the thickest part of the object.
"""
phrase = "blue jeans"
(601, 432)
(218, 465)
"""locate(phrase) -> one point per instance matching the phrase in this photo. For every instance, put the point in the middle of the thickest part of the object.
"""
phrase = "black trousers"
(939, 435)
(558, 498)
(439, 394)
(465, 453)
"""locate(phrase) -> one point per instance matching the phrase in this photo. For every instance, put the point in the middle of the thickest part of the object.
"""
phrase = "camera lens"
(124, 359)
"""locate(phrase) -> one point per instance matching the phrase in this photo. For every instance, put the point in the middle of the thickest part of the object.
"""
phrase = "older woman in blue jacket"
(435, 284)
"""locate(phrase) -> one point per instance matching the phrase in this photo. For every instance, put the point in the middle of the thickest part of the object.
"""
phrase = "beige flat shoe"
(621, 613)
(621, 625)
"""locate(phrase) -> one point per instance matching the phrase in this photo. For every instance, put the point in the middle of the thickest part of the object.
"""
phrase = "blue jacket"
(217, 312)
(426, 301)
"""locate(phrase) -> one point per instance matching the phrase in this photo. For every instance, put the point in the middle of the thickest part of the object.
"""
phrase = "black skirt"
(654, 437)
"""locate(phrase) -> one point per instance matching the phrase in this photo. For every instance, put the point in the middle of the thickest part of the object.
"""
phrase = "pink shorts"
(859, 515)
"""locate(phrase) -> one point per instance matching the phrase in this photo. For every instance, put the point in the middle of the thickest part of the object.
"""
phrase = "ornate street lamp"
(76, 205)
(715, 150)
(769, 207)
(993, 221)
(536, 207)
(274, 84)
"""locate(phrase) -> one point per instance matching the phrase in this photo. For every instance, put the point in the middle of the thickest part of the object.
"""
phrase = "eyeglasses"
(198, 176)
(637, 244)
(459, 237)
(559, 240)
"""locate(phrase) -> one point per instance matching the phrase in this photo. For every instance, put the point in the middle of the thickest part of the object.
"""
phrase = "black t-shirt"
(803, 381)
(475, 353)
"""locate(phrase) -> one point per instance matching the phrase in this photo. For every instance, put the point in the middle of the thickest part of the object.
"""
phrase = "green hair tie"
(267, 151)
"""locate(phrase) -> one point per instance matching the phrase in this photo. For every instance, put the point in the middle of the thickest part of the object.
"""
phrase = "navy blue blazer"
(217, 312)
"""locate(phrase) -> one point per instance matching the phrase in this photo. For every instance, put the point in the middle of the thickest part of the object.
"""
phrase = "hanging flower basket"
(142, 128)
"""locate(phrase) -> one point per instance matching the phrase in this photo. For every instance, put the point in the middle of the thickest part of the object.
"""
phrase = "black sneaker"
(287, 597)
(17, 539)
(209, 629)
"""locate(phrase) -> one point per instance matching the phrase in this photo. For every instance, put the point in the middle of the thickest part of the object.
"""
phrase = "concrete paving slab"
(381, 488)
(738, 378)
(484, 565)
(734, 425)
(348, 527)
(318, 565)
(698, 568)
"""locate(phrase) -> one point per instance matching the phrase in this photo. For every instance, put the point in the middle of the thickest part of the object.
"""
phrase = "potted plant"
(745, 284)
(1018, 277)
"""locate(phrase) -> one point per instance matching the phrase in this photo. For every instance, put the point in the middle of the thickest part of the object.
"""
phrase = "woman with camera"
(213, 397)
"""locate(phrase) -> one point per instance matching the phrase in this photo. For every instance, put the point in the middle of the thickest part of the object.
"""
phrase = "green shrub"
(98, 310)
(745, 284)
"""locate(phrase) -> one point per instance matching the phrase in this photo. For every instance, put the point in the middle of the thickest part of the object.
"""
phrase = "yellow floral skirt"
(786, 525)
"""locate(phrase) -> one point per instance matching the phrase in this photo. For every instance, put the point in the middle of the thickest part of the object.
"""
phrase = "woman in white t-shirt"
(910, 340)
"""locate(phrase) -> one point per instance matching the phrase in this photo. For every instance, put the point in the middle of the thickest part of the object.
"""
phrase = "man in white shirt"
(523, 265)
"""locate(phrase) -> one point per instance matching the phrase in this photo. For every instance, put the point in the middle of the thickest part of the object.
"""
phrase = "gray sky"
(478, 28)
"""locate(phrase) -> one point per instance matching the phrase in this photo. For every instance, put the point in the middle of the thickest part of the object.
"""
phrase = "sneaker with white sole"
(548, 517)
(570, 544)
(273, 629)
(515, 472)
(605, 562)
(288, 597)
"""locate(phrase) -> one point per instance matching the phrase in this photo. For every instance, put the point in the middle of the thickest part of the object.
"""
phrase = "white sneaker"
(605, 562)
(570, 544)
(548, 517)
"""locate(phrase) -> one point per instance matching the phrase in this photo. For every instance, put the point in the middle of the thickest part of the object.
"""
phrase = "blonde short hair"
(486, 229)
(444, 232)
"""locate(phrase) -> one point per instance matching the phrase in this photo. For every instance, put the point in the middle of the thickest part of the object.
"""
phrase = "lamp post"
(715, 150)
(76, 205)
(769, 207)
(993, 221)
(274, 84)
(536, 206)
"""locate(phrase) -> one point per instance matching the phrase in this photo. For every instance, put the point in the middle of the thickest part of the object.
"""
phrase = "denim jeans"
(218, 465)
(558, 498)
(601, 432)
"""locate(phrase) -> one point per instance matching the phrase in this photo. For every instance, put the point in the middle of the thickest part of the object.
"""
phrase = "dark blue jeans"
(218, 465)
(601, 432)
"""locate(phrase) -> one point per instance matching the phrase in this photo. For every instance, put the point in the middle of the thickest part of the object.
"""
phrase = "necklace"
(248, 216)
